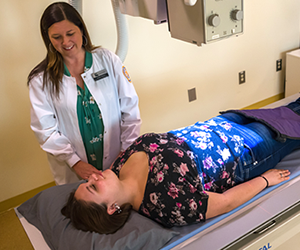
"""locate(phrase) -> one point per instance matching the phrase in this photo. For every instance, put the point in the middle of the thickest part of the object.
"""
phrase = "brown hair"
(90, 216)
(52, 65)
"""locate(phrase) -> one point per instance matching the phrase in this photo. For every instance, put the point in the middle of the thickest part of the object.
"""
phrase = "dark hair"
(52, 65)
(90, 216)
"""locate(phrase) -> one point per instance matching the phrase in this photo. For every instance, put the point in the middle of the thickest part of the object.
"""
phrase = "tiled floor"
(12, 234)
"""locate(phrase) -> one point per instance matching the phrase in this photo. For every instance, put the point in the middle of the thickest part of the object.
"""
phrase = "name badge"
(100, 74)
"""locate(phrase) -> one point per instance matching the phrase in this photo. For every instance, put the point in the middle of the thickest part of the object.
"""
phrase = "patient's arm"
(236, 196)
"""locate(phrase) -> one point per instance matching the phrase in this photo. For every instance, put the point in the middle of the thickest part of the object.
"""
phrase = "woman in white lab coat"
(84, 108)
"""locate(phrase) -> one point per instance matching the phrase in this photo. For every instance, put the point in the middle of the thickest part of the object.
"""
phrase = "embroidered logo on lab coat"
(125, 73)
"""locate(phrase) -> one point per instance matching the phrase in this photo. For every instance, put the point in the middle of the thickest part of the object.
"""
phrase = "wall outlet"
(242, 77)
(279, 65)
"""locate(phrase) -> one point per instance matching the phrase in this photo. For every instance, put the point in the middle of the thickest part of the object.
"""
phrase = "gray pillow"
(43, 211)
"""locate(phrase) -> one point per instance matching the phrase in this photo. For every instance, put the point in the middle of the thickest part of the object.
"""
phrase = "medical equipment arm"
(238, 195)
(44, 124)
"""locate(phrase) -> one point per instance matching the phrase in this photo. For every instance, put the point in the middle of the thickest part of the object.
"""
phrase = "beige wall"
(162, 70)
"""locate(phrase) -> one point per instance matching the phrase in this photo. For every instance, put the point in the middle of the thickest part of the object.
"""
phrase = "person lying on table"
(189, 175)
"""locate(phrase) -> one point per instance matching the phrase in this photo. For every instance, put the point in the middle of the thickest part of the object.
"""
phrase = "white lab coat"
(55, 122)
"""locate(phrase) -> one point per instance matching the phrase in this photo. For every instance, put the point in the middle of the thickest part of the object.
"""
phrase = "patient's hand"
(84, 170)
(275, 176)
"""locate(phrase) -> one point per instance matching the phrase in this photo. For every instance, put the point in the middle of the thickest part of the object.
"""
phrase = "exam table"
(271, 220)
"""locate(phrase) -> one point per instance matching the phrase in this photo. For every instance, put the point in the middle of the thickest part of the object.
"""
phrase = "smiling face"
(101, 189)
(66, 38)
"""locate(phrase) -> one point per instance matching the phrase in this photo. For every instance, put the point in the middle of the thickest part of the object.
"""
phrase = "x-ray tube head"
(206, 21)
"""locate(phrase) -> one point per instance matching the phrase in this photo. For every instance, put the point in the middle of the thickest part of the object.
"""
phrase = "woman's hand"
(84, 170)
(275, 176)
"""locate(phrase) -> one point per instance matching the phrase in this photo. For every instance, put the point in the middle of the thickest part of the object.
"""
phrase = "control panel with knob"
(214, 20)
(205, 21)
(237, 15)
(222, 19)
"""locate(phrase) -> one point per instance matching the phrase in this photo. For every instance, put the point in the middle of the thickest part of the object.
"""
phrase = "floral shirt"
(174, 193)
(89, 119)
(217, 145)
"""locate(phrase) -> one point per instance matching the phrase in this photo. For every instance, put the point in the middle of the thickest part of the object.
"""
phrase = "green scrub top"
(89, 120)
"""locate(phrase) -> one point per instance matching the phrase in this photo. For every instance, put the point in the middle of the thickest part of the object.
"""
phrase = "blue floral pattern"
(174, 194)
(217, 145)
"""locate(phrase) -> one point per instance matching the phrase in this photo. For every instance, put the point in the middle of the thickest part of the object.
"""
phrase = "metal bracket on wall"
(192, 94)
